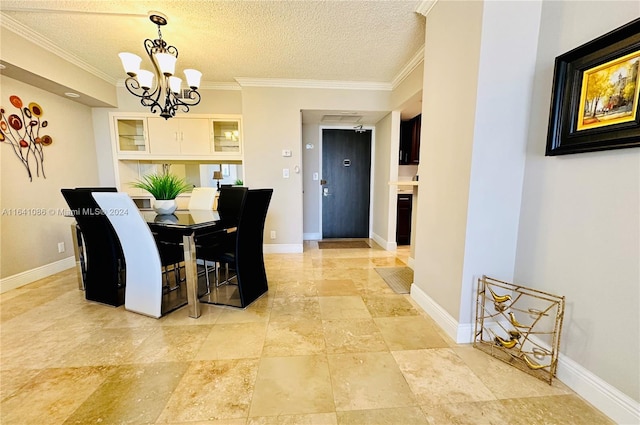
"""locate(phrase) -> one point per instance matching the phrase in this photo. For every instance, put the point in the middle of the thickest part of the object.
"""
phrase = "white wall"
(31, 241)
(387, 140)
(312, 188)
(272, 122)
(580, 224)
(448, 116)
(505, 84)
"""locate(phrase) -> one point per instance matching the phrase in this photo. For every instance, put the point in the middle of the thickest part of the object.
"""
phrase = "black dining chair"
(245, 256)
(104, 274)
(230, 202)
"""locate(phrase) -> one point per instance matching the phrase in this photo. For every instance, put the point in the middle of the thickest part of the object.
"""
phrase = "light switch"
(285, 173)
(315, 176)
(286, 152)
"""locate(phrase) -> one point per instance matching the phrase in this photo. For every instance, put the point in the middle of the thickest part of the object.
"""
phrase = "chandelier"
(165, 96)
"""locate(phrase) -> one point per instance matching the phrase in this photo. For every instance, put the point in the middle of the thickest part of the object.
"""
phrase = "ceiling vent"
(342, 118)
(183, 93)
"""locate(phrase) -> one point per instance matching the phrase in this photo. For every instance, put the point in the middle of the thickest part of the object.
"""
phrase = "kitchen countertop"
(405, 187)
(404, 183)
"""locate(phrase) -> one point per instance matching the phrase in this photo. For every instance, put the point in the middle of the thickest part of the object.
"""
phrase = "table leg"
(78, 252)
(191, 269)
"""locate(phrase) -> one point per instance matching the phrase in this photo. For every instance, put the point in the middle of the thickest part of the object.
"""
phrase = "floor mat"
(342, 244)
(398, 278)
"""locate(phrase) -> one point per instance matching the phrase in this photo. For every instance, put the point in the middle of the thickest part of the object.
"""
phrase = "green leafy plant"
(163, 186)
(239, 182)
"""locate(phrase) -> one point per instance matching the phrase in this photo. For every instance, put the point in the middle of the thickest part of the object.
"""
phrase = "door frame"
(371, 173)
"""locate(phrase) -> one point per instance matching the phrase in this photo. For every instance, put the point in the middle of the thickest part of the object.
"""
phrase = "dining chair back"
(230, 203)
(249, 257)
(104, 266)
(143, 265)
(202, 198)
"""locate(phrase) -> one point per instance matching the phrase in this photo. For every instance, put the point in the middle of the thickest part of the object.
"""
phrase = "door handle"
(325, 191)
(323, 181)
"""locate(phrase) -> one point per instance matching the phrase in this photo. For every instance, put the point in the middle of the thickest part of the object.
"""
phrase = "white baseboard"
(311, 236)
(26, 277)
(387, 246)
(437, 313)
(282, 248)
(606, 398)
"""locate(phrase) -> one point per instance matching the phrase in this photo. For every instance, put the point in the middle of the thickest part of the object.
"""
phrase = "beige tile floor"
(329, 344)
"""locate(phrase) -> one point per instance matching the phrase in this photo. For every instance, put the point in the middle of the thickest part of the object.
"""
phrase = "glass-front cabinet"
(131, 135)
(193, 137)
(226, 136)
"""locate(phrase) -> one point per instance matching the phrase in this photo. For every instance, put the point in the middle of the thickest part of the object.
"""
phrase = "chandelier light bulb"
(167, 63)
(130, 63)
(145, 79)
(174, 84)
(193, 78)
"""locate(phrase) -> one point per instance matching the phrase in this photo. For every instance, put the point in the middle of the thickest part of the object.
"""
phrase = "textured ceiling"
(362, 41)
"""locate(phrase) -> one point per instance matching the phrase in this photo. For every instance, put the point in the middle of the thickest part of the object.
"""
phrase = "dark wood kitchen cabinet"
(410, 141)
(403, 221)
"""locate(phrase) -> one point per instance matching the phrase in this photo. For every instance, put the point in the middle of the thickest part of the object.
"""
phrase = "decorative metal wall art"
(22, 132)
(520, 326)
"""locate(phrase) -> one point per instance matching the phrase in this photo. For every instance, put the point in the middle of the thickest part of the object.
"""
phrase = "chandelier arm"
(146, 98)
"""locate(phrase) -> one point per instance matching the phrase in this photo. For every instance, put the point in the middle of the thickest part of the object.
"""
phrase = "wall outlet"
(273, 234)
(60, 247)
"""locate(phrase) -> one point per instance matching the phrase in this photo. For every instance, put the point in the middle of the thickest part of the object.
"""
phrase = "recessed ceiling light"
(71, 94)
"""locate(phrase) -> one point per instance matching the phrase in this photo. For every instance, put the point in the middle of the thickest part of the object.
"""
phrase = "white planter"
(165, 206)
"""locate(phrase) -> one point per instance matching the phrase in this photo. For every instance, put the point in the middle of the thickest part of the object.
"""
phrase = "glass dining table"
(186, 226)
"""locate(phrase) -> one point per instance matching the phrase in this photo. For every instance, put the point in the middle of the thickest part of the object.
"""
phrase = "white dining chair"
(143, 290)
(202, 198)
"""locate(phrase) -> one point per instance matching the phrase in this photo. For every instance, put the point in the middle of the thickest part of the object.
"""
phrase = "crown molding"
(219, 86)
(416, 60)
(30, 35)
(203, 85)
(312, 84)
(425, 7)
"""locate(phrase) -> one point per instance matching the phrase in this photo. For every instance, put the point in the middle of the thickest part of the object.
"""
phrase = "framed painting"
(595, 98)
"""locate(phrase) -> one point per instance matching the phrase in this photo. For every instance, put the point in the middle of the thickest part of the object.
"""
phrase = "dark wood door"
(346, 171)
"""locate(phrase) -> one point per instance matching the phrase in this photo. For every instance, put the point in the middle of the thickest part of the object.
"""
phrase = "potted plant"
(165, 188)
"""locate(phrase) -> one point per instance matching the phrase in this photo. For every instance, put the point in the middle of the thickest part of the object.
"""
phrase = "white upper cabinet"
(179, 136)
(165, 135)
(194, 137)
(211, 137)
